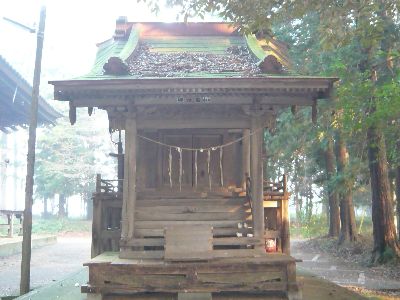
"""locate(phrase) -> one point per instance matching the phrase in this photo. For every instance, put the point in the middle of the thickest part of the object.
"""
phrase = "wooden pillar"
(120, 163)
(245, 156)
(10, 218)
(256, 142)
(129, 187)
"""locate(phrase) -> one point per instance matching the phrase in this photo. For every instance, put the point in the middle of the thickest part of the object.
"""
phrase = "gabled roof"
(15, 100)
(160, 62)
(153, 50)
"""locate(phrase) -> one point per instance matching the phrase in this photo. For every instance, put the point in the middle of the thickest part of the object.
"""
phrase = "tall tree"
(348, 230)
(65, 163)
(334, 216)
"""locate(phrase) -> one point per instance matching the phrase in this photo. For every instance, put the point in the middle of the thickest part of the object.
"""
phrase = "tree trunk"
(398, 200)
(61, 206)
(334, 217)
(348, 230)
(297, 199)
(386, 245)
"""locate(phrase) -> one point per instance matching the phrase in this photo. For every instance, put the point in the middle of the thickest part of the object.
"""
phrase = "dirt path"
(340, 272)
(49, 263)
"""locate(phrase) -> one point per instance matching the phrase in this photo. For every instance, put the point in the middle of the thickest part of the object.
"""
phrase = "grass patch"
(55, 225)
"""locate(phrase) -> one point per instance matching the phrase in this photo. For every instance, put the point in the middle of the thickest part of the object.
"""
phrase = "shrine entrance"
(201, 169)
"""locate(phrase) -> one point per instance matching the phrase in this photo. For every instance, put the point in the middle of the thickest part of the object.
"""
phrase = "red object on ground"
(270, 245)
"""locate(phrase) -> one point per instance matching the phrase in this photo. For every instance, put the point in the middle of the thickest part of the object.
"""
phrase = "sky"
(73, 27)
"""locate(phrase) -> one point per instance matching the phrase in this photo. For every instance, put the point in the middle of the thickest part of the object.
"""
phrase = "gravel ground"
(48, 264)
(344, 272)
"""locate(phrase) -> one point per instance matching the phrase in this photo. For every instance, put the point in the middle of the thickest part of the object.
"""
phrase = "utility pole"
(27, 224)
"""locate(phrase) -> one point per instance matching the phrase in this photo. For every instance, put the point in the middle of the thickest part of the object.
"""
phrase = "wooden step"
(221, 241)
(226, 253)
(195, 216)
(189, 202)
(163, 224)
(209, 208)
(217, 232)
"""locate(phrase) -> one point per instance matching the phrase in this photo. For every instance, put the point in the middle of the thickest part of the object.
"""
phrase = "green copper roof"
(165, 54)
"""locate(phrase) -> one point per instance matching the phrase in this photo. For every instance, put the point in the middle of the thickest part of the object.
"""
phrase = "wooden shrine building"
(193, 214)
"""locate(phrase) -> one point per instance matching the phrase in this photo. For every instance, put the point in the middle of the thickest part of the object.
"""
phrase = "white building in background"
(15, 102)
(13, 149)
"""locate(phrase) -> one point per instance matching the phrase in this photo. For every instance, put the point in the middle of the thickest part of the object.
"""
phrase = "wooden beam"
(281, 99)
(193, 123)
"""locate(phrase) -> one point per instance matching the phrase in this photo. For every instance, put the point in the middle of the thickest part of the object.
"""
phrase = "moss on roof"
(166, 48)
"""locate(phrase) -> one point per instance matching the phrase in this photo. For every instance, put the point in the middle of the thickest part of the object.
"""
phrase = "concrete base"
(10, 246)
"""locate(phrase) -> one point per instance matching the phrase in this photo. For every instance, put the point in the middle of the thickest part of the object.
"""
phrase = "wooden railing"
(107, 207)
(108, 185)
(276, 190)
(280, 186)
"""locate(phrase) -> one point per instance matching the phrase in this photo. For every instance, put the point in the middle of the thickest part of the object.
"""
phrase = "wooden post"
(129, 195)
(11, 223)
(246, 155)
(257, 176)
(97, 227)
(285, 225)
(27, 225)
(120, 163)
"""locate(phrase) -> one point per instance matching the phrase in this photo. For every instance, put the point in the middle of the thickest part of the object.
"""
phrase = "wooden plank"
(162, 224)
(159, 232)
(188, 247)
(194, 296)
(240, 241)
(210, 216)
(193, 123)
(222, 241)
(111, 233)
(242, 278)
(209, 208)
(226, 253)
(157, 254)
(270, 204)
(140, 242)
(114, 287)
(191, 202)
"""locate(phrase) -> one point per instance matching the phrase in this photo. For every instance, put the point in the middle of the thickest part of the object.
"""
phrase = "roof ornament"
(115, 66)
(270, 65)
